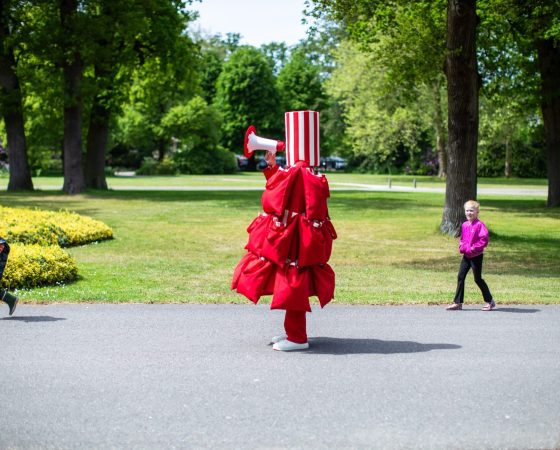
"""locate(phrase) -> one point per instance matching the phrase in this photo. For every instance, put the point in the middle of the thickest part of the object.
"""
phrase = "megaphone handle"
(270, 158)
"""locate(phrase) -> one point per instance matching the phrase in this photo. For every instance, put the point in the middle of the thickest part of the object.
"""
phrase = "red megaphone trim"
(250, 130)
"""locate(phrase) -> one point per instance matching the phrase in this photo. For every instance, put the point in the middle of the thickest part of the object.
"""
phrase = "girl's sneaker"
(455, 307)
(489, 306)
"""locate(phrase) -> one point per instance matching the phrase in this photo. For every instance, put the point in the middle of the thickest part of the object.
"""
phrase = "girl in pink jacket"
(474, 239)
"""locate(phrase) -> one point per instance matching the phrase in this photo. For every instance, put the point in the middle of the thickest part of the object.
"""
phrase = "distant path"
(490, 191)
(334, 186)
(202, 376)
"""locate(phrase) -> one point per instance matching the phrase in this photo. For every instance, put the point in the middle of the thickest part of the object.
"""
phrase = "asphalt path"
(203, 376)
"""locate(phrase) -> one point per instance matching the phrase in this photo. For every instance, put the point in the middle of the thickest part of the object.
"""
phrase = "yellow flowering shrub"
(64, 228)
(36, 236)
(36, 265)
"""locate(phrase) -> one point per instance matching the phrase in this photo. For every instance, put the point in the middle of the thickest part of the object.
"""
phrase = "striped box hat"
(302, 137)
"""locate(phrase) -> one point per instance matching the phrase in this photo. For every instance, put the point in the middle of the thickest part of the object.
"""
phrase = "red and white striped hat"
(302, 137)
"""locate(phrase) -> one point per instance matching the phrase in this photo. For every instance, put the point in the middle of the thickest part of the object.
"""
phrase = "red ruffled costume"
(289, 245)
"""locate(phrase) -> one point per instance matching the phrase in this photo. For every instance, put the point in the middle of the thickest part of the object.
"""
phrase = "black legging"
(476, 264)
(3, 256)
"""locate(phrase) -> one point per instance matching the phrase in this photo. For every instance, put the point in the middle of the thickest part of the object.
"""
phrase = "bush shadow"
(351, 346)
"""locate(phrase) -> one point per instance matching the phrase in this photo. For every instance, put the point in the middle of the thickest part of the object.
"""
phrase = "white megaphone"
(254, 142)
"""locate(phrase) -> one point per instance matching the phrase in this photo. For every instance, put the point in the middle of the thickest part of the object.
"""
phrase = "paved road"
(203, 376)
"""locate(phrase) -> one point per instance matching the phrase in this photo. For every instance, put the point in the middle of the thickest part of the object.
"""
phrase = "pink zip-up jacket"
(474, 238)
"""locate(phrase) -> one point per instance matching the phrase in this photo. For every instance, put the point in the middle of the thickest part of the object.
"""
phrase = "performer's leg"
(295, 326)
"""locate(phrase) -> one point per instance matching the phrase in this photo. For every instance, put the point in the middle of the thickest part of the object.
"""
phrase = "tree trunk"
(509, 158)
(549, 66)
(12, 112)
(98, 134)
(74, 180)
(162, 147)
(462, 96)
(440, 135)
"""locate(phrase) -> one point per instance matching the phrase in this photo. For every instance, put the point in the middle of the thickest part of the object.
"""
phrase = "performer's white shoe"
(288, 346)
(280, 337)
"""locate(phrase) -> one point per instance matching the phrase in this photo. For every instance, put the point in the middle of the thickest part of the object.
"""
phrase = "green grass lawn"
(182, 246)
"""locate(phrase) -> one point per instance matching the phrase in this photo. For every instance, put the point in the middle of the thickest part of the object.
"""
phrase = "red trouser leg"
(294, 324)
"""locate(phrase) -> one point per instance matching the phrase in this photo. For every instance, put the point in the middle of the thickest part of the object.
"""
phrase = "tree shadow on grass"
(529, 263)
(342, 200)
(58, 200)
(377, 201)
(534, 242)
(523, 206)
(30, 319)
(350, 346)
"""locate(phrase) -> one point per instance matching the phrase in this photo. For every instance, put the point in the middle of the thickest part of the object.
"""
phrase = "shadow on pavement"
(516, 310)
(348, 346)
(28, 319)
(472, 308)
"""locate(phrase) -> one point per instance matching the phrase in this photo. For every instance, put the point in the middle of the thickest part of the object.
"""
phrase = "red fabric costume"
(289, 246)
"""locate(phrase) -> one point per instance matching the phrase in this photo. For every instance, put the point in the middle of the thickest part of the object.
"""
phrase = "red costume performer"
(290, 242)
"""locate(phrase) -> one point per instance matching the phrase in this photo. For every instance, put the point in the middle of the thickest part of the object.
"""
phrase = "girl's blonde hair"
(473, 204)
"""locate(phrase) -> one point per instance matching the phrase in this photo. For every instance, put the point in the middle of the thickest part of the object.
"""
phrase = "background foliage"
(179, 102)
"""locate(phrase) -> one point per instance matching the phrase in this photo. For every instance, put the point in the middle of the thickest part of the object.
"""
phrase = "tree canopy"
(92, 86)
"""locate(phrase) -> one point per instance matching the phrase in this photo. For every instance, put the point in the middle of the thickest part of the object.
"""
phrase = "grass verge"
(182, 246)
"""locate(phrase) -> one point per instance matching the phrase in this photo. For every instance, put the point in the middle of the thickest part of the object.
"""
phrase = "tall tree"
(215, 50)
(122, 33)
(366, 19)
(549, 65)
(320, 46)
(463, 86)
(247, 94)
(509, 94)
(11, 104)
(278, 54)
(299, 83)
(537, 23)
(158, 85)
(413, 51)
(72, 64)
(384, 128)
